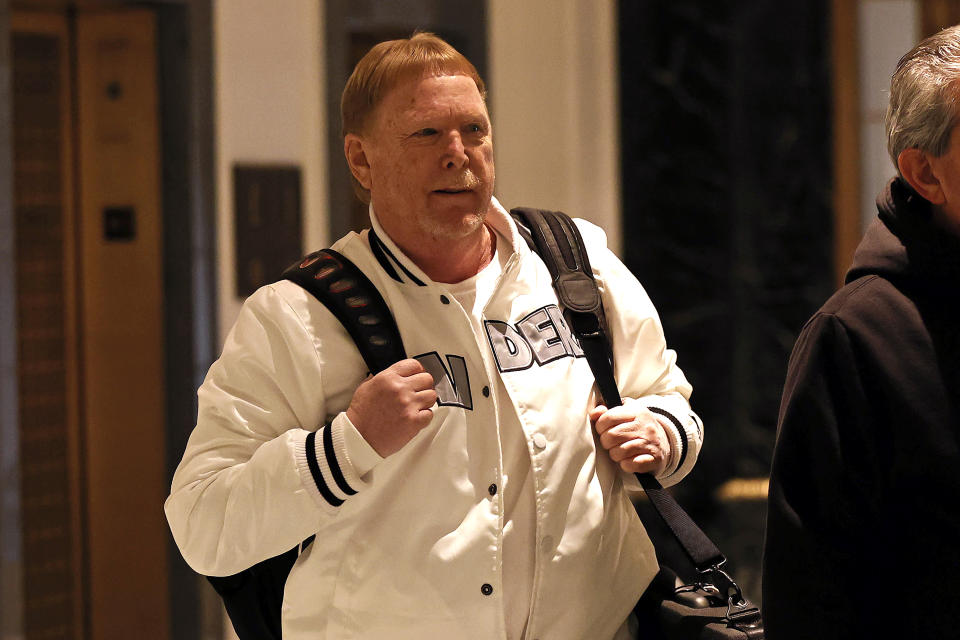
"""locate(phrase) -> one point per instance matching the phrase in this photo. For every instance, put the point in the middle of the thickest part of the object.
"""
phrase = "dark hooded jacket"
(863, 525)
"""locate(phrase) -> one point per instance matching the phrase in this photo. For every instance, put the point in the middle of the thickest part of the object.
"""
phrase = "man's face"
(429, 152)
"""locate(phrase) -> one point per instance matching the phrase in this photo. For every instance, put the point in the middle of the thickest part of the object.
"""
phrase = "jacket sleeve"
(263, 469)
(823, 488)
(645, 369)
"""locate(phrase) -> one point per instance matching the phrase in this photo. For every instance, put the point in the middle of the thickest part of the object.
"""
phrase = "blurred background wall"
(159, 159)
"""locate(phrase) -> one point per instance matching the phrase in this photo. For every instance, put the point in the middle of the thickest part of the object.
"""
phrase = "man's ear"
(356, 155)
(917, 169)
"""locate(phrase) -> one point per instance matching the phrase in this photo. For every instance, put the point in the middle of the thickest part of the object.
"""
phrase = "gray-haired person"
(863, 529)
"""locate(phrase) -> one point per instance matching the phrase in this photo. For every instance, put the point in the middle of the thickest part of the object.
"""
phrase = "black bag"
(712, 607)
(254, 596)
(670, 609)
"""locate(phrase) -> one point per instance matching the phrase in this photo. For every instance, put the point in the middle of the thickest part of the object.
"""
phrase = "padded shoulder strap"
(348, 293)
(558, 242)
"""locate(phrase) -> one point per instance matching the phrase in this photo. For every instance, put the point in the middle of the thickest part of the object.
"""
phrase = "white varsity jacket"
(412, 548)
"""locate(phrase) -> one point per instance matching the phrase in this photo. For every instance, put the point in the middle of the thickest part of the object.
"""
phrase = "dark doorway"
(726, 152)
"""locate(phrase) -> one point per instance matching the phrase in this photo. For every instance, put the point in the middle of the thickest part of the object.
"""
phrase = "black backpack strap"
(254, 596)
(558, 242)
(350, 296)
(556, 239)
(356, 302)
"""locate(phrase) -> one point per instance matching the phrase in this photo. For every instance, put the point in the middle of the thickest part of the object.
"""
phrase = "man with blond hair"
(475, 489)
(863, 531)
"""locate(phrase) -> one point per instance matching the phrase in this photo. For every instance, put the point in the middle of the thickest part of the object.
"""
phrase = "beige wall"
(553, 100)
(269, 108)
(887, 30)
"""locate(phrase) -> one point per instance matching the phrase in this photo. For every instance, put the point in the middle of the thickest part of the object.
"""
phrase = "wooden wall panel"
(121, 308)
(846, 135)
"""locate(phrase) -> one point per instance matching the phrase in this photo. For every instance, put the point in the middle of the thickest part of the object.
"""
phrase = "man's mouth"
(464, 183)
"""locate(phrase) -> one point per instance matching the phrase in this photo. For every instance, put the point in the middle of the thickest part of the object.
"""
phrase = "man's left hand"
(633, 437)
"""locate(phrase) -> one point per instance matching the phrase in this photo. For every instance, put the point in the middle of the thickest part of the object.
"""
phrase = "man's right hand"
(390, 408)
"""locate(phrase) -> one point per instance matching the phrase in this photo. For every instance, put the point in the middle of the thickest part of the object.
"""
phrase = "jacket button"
(539, 441)
(486, 589)
(492, 489)
(444, 299)
(486, 392)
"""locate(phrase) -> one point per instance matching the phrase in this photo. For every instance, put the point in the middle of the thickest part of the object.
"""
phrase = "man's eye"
(475, 128)
(428, 131)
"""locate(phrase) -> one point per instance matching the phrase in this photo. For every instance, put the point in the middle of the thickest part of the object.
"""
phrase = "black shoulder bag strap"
(555, 237)
(253, 597)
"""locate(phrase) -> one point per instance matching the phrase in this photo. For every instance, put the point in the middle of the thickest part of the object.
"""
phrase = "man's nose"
(454, 155)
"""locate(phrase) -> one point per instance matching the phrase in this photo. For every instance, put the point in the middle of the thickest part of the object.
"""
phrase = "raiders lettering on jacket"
(540, 337)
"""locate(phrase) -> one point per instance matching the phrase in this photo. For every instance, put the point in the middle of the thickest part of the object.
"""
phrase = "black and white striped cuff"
(325, 469)
(685, 426)
(678, 441)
